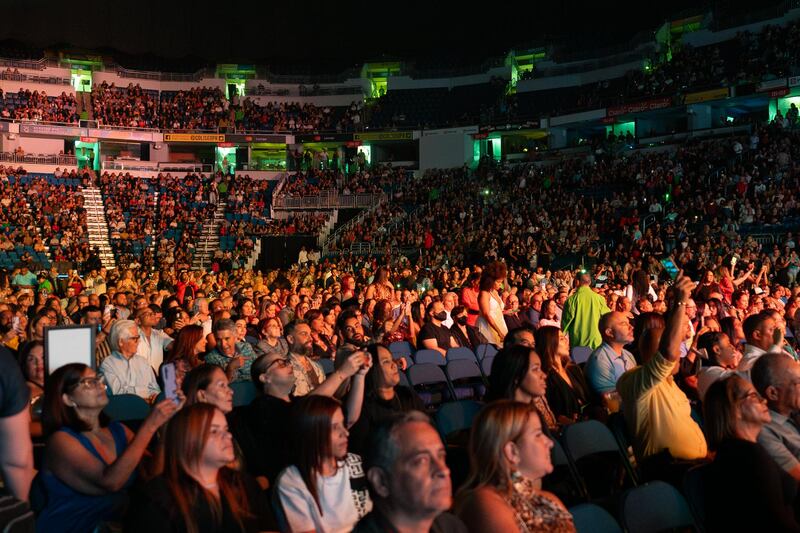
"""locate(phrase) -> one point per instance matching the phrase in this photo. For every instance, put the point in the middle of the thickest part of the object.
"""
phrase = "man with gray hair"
(233, 357)
(126, 372)
(409, 478)
(776, 377)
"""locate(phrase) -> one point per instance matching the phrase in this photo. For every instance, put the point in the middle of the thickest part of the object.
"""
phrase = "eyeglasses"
(91, 383)
(751, 395)
(282, 362)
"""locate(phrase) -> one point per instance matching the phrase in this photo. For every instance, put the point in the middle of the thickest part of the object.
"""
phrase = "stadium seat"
(126, 407)
(430, 383)
(244, 392)
(327, 366)
(485, 350)
(486, 365)
(466, 380)
(694, 490)
(597, 458)
(591, 518)
(455, 416)
(655, 506)
(429, 356)
(460, 353)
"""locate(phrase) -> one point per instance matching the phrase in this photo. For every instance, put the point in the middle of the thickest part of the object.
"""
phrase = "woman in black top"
(567, 392)
(743, 473)
(198, 492)
(465, 334)
(383, 397)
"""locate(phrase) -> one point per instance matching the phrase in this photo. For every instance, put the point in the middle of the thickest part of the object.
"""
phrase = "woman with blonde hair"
(509, 455)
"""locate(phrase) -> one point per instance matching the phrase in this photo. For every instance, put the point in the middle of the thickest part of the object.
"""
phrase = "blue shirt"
(604, 368)
(214, 357)
(129, 376)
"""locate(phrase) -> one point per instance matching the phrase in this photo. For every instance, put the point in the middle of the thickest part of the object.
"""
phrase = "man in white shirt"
(124, 371)
(759, 332)
(153, 341)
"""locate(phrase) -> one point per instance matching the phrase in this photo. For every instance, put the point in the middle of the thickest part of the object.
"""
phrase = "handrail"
(32, 64)
(34, 78)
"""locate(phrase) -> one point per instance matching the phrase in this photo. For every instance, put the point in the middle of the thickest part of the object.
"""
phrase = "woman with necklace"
(509, 455)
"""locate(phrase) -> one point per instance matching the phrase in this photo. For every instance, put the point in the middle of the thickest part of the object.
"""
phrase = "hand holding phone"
(169, 378)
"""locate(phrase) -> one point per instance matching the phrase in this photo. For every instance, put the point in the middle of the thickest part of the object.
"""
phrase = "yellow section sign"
(195, 137)
(384, 136)
(706, 96)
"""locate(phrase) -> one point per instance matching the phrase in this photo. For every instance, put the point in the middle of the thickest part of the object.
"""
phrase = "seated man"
(433, 335)
(610, 360)
(409, 479)
(657, 412)
(234, 357)
(777, 378)
(126, 372)
(759, 332)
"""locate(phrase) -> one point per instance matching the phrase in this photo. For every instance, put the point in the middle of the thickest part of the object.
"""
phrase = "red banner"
(638, 107)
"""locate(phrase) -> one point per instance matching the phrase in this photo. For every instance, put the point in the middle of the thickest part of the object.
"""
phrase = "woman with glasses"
(198, 491)
(89, 461)
(734, 414)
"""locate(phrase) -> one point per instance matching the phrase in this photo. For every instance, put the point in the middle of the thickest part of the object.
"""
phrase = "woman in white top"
(491, 323)
(638, 288)
(325, 489)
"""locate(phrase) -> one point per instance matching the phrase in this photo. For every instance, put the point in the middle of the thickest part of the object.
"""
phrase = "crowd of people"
(38, 106)
(294, 116)
(691, 366)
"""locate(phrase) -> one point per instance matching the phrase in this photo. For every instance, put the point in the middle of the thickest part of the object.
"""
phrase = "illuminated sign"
(384, 136)
(194, 137)
(706, 96)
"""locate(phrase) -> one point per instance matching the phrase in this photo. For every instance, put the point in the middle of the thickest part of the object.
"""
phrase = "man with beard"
(308, 374)
(351, 331)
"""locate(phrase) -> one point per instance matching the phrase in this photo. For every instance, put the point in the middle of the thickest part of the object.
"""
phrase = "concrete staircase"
(98, 225)
(208, 242)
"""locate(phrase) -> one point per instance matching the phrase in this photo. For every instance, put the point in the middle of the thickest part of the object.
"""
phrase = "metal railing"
(34, 78)
(39, 159)
(32, 64)
(163, 76)
(330, 199)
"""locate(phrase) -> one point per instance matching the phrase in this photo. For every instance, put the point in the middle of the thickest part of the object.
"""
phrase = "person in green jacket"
(582, 312)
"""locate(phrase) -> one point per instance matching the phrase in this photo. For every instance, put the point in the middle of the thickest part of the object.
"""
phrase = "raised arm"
(673, 336)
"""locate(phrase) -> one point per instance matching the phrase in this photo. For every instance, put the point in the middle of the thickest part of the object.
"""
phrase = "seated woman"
(719, 358)
(325, 489)
(189, 346)
(323, 346)
(517, 375)
(31, 359)
(548, 316)
(387, 327)
(509, 455)
(89, 462)
(272, 340)
(463, 333)
(567, 391)
(383, 397)
(734, 414)
(198, 491)
(208, 384)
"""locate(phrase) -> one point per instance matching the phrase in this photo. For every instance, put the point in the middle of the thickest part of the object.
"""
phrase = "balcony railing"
(38, 159)
(329, 200)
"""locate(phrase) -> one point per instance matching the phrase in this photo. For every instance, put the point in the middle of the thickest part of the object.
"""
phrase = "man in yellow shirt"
(666, 439)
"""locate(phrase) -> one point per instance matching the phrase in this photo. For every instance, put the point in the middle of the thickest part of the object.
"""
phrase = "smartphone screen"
(670, 267)
(168, 378)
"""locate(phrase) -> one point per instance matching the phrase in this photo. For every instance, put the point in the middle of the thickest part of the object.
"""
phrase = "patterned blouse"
(535, 512)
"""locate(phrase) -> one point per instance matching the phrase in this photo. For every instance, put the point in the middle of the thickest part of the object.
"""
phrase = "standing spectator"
(153, 342)
(582, 312)
(490, 322)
